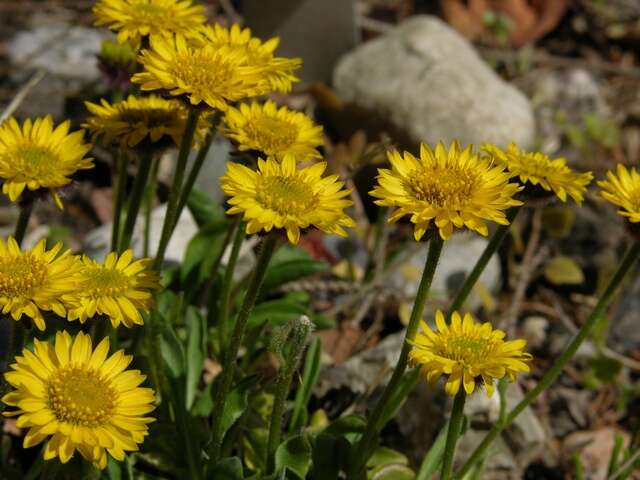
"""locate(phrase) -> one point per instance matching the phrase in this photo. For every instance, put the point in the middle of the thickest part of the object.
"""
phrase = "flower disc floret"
(119, 288)
(467, 353)
(36, 156)
(538, 169)
(454, 188)
(272, 130)
(141, 120)
(77, 398)
(34, 281)
(203, 72)
(137, 19)
(622, 189)
(280, 195)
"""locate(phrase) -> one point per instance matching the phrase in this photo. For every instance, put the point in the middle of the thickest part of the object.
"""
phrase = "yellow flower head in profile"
(75, 398)
(281, 195)
(277, 72)
(136, 19)
(119, 288)
(37, 156)
(202, 72)
(139, 121)
(622, 189)
(273, 131)
(454, 188)
(467, 353)
(32, 282)
(538, 169)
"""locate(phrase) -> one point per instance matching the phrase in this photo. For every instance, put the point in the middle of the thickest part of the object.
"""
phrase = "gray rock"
(624, 334)
(459, 255)
(431, 84)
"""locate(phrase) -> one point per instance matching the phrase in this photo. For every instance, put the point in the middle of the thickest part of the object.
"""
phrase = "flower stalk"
(225, 294)
(137, 194)
(121, 183)
(455, 427)
(363, 449)
(628, 261)
(26, 207)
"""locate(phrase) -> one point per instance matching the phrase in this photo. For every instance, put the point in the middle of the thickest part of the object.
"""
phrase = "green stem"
(363, 449)
(627, 262)
(455, 426)
(149, 197)
(182, 421)
(225, 294)
(490, 249)
(208, 290)
(226, 377)
(197, 164)
(136, 199)
(170, 218)
(23, 220)
(121, 183)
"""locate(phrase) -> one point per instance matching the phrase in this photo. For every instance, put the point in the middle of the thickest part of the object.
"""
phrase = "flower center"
(81, 397)
(106, 282)
(33, 161)
(286, 195)
(21, 276)
(273, 135)
(201, 71)
(467, 349)
(442, 187)
(150, 13)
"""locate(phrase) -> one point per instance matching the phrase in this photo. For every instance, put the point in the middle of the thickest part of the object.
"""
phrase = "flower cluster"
(37, 281)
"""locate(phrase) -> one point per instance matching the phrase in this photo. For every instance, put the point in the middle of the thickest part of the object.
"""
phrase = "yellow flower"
(273, 131)
(281, 195)
(136, 19)
(623, 190)
(119, 288)
(538, 169)
(455, 188)
(203, 72)
(467, 353)
(32, 282)
(76, 398)
(141, 119)
(37, 156)
(278, 72)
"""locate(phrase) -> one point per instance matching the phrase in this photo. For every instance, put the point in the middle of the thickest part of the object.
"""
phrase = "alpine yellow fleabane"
(36, 156)
(203, 73)
(136, 19)
(281, 195)
(537, 168)
(273, 131)
(32, 282)
(454, 188)
(622, 188)
(75, 398)
(277, 72)
(119, 288)
(139, 121)
(467, 353)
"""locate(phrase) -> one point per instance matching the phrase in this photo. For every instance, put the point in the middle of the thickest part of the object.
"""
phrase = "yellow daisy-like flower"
(150, 119)
(32, 282)
(136, 19)
(622, 188)
(203, 73)
(37, 156)
(467, 353)
(281, 195)
(119, 288)
(76, 398)
(454, 188)
(538, 169)
(272, 130)
(277, 72)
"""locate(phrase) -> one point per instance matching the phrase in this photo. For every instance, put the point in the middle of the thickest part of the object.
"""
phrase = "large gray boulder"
(430, 83)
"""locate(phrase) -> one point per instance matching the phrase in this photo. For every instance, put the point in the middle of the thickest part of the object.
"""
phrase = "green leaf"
(203, 208)
(255, 448)
(237, 402)
(605, 369)
(406, 384)
(309, 378)
(227, 469)
(558, 221)
(349, 427)
(385, 456)
(289, 264)
(196, 352)
(172, 352)
(276, 312)
(202, 250)
(563, 270)
(294, 455)
(433, 458)
(392, 472)
(203, 405)
(326, 464)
